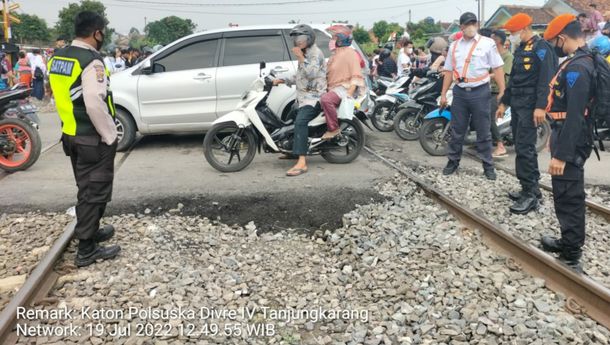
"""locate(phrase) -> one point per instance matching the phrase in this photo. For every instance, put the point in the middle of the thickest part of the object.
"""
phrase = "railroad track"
(584, 295)
(42, 279)
(595, 207)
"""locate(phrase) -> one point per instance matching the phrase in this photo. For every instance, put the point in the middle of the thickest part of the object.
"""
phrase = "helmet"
(389, 46)
(303, 30)
(601, 44)
(343, 33)
(385, 54)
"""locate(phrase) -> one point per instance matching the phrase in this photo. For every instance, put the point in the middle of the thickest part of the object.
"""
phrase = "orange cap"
(557, 25)
(518, 22)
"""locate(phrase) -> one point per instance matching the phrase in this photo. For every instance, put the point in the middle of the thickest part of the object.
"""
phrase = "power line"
(280, 3)
(275, 14)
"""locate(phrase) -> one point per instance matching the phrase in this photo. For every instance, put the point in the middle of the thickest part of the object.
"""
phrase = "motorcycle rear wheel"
(430, 137)
(23, 145)
(224, 144)
(346, 146)
(407, 123)
(382, 118)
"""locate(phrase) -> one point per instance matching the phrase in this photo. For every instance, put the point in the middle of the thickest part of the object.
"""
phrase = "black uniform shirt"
(534, 65)
(570, 140)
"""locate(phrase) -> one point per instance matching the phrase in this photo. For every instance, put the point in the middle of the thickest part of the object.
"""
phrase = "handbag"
(346, 109)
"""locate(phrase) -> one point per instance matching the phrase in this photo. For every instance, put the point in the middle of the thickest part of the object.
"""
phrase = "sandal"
(296, 172)
(330, 135)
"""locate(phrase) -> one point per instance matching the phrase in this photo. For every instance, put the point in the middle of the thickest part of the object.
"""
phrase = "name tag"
(62, 67)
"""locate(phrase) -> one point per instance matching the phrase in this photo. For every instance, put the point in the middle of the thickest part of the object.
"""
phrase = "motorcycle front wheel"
(431, 137)
(346, 146)
(20, 145)
(407, 123)
(229, 148)
(543, 133)
(383, 117)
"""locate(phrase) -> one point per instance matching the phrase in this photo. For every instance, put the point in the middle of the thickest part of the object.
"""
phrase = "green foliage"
(361, 35)
(168, 29)
(65, 24)
(421, 30)
(31, 29)
(368, 47)
(380, 29)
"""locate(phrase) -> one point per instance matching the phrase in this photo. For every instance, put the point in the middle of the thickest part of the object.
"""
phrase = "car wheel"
(126, 130)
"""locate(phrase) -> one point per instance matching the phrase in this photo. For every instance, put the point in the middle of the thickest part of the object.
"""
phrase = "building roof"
(540, 15)
(583, 5)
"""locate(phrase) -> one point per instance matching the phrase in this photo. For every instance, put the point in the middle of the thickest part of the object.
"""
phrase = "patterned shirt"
(310, 78)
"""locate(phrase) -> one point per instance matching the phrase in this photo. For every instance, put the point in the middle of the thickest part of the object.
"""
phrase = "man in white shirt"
(404, 61)
(37, 62)
(468, 62)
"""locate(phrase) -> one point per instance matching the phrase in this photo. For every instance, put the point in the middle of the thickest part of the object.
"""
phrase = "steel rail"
(597, 208)
(583, 294)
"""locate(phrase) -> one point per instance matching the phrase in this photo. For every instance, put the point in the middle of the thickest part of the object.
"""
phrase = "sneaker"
(490, 174)
(451, 167)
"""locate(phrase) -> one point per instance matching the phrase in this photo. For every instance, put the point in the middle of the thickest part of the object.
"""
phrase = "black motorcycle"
(410, 116)
(20, 143)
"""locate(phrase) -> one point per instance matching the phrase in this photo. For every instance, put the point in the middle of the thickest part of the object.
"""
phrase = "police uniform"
(534, 65)
(470, 62)
(571, 142)
(80, 86)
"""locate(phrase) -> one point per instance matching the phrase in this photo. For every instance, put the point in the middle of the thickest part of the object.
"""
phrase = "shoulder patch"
(541, 53)
(571, 78)
(99, 73)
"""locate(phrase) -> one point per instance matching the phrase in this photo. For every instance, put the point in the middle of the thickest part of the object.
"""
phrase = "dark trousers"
(93, 167)
(38, 89)
(475, 103)
(495, 132)
(301, 129)
(569, 198)
(525, 134)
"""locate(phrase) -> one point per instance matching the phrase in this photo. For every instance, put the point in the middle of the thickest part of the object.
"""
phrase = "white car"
(189, 83)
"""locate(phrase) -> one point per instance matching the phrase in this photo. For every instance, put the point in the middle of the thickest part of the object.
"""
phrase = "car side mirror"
(158, 68)
(147, 67)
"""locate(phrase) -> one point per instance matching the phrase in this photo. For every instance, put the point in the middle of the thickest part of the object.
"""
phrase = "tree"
(65, 24)
(380, 29)
(361, 35)
(31, 29)
(423, 29)
(168, 29)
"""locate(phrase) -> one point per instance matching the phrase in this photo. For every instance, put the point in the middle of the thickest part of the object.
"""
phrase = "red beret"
(518, 22)
(557, 25)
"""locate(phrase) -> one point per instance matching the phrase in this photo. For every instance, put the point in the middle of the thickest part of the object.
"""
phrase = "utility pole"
(145, 24)
(482, 19)
(479, 9)
(409, 16)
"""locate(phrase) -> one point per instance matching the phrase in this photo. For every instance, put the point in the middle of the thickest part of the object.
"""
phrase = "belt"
(523, 90)
(470, 89)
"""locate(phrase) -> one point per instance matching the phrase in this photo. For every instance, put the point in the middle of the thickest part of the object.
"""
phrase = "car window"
(194, 56)
(322, 40)
(252, 50)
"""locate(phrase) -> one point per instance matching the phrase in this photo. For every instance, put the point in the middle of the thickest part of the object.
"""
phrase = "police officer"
(571, 139)
(468, 63)
(534, 65)
(80, 82)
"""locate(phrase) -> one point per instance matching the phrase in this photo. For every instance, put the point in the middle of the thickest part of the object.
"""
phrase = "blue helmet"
(601, 44)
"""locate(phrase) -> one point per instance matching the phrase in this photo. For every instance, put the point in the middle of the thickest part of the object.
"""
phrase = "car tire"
(126, 129)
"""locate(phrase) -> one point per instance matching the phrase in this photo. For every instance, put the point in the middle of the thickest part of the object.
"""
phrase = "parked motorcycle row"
(410, 107)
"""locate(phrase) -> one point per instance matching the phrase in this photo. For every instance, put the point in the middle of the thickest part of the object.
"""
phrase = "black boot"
(514, 196)
(551, 244)
(104, 233)
(525, 205)
(91, 253)
(490, 173)
(571, 257)
(452, 166)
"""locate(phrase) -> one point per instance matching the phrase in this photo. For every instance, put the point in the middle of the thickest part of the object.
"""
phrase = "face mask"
(332, 45)
(515, 39)
(559, 50)
(409, 50)
(99, 43)
(470, 31)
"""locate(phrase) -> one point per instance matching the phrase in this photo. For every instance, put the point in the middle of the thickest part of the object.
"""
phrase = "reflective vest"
(65, 70)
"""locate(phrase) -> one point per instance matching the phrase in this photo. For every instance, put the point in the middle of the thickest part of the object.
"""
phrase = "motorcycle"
(20, 143)
(387, 104)
(410, 115)
(232, 142)
(434, 133)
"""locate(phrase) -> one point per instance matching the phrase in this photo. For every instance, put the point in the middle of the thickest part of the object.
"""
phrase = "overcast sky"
(125, 14)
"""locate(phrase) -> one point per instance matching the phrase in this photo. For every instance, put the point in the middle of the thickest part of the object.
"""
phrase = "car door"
(181, 90)
(241, 54)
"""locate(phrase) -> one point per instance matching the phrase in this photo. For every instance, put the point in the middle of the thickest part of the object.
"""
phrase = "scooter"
(434, 133)
(231, 144)
(387, 104)
(20, 143)
(410, 115)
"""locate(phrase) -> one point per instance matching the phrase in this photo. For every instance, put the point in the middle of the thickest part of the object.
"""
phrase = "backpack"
(600, 104)
(38, 74)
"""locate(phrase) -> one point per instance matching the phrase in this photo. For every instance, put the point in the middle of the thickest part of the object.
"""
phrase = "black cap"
(468, 17)
(501, 35)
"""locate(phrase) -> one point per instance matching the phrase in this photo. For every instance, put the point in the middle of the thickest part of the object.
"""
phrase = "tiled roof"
(583, 5)
(540, 15)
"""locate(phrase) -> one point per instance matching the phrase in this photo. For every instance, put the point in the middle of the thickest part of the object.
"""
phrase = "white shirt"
(37, 61)
(484, 57)
(403, 63)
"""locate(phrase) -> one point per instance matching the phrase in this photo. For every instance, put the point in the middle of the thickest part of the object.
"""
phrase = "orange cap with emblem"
(557, 25)
(518, 22)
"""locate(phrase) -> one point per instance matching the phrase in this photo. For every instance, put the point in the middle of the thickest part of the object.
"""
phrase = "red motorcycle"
(20, 143)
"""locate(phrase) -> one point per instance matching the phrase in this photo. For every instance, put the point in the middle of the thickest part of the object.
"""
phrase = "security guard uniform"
(80, 86)
(571, 142)
(534, 65)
